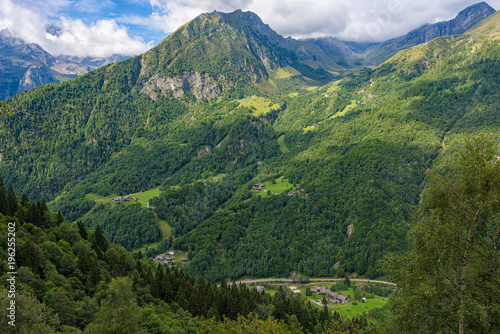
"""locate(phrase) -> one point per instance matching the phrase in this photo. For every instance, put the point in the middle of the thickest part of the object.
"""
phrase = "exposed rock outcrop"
(199, 84)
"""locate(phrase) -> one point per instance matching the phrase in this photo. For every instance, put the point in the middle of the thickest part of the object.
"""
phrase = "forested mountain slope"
(362, 164)
(70, 279)
(344, 163)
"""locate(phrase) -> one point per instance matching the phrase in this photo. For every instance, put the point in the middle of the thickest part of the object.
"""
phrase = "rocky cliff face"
(219, 51)
(376, 54)
(199, 84)
(22, 66)
(460, 24)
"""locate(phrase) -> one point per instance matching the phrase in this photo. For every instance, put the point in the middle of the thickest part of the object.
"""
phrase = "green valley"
(253, 162)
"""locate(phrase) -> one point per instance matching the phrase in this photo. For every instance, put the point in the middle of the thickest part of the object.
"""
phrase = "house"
(122, 199)
(127, 198)
(184, 260)
(260, 288)
(258, 186)
(160, 258)
(171, 253)
(333, 297)
(294, 289)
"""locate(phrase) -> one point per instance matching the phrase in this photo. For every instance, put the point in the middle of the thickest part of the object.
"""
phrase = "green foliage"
(454, 260)
(119, 312)
(66, 284)
(129, 224)
(5, 109)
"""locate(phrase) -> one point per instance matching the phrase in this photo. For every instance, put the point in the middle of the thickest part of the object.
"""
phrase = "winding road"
(311, 280)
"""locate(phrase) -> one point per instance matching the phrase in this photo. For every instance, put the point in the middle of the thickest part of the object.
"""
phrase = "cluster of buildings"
(258, 187)
(127, 198)
(331, 296)
(168, 258)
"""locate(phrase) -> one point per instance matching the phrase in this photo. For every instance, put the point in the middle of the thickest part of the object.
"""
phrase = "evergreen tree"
(24, 200)
(325, 315)
(101, 239)
(347, 281)
(157, 287)
(82, 230)
(60, 218)
(43, 205)
(97, 250)
(12, 204)
(3, 198)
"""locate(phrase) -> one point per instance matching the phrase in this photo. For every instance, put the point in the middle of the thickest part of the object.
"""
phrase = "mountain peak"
(460, 24)
(7, 38)
(478, 7)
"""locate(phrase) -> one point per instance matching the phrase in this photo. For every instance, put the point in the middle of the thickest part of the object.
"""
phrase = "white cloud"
(349, 20)
(346, 19)
(100, 39)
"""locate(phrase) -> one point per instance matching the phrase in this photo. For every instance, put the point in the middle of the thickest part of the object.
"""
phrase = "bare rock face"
(199, 84)
(460, 24)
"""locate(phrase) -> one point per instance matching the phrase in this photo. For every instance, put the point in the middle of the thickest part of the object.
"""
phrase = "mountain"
(24, 66)
(467, 18)
(217, 52)
(337, 55)
(224, 108)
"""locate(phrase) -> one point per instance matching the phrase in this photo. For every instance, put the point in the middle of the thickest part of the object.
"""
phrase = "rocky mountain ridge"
(24, 66)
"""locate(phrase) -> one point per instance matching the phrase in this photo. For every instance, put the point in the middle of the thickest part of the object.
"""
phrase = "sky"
(100, 28)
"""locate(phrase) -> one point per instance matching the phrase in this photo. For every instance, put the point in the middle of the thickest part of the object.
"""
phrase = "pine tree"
(325, 315)
(60, 218)
(82, 230)
(3, 198)
(43, 205)
(24, 200)
(157, 287)
(101, 239)
(12, 204)
(97, 250)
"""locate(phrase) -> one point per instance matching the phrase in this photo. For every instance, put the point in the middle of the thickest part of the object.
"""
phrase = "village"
(357, 298)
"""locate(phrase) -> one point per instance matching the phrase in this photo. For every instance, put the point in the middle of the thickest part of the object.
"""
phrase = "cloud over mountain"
(360, 20)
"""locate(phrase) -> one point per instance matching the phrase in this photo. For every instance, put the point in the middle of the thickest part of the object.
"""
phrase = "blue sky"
(104, 27)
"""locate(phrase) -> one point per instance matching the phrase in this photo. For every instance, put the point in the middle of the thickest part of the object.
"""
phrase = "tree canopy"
(450, 279)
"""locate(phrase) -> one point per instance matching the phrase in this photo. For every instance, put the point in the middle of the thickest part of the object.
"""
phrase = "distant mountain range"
(24, 66)
(378, 53)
